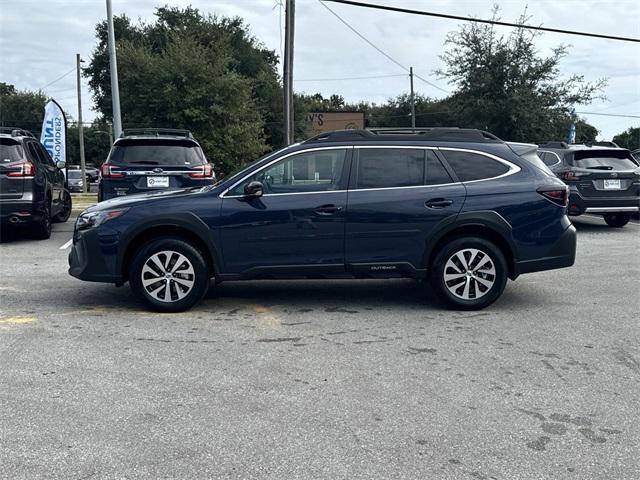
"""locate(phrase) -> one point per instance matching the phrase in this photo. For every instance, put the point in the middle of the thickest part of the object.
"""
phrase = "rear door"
(12, 158)
(143, 165)
(605, 173)
(397, 196)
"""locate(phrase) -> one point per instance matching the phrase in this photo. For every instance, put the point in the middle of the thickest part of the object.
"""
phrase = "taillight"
(559, 196)
(573, 176)
(202, 171)
(26, 169)
(107, 171)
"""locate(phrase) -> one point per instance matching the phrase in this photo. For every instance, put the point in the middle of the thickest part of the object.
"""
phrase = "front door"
(396, 197)
(297, 225)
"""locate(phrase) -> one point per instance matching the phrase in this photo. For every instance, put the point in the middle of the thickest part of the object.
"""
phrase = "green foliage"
(505, 87)
(203, 73)
(22, 109)
(96, 143)
(630, 138)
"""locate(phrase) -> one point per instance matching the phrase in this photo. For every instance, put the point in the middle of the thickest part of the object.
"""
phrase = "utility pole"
(113, 69)
(412, 99)
(80, 126)
(287, 73)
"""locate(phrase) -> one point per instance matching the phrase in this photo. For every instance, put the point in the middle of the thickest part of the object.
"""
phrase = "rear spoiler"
(521, 149)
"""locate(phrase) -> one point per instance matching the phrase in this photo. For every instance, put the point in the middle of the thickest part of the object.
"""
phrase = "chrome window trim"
(513, 169)
(552, 153)
(222, 195)
(407, 187)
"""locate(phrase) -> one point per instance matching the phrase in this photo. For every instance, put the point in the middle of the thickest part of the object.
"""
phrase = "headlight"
(93, 219)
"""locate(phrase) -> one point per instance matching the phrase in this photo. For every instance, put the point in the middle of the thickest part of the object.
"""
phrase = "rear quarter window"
(156, 152)
(473, 166)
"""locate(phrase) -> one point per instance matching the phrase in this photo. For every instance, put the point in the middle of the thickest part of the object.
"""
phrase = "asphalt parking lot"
(316, 379)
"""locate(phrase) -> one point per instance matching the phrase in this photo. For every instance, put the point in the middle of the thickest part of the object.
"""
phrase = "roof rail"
(604, 143)
(155, 132)
(554, 145)
(16, 132)
(446, 134)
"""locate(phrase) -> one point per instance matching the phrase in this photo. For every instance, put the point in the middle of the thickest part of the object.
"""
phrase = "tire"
(41, 230)
(482, 286)
(64, 215)
(617, 220)
(183, 259)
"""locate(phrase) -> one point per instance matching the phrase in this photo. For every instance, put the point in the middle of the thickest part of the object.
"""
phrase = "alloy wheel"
(469, 274)
(168, 276)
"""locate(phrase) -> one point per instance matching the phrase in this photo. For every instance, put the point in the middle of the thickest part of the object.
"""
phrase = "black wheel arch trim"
(488, 219)
(183, 220)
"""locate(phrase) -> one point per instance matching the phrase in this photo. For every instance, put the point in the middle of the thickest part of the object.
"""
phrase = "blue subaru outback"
(459, 207)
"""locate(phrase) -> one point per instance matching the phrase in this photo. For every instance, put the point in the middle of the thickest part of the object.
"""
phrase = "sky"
(39, 41)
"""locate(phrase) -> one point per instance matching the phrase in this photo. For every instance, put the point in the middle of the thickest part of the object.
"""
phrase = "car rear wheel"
(169, 275)
(617, 219)
(65, 213)
(469, 273)
(41, 230)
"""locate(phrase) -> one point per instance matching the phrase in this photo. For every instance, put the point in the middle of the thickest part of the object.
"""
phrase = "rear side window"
(604, 159)
(436, 173)
(390, 167)
(156, 152)
(10, 151)
(549, 158)
(473, 166)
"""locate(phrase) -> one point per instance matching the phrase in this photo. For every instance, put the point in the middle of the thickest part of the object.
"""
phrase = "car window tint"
(473, 166)
(34, 153)
(436, 173)
(605, 159)
(316, 171)
(390, 167)
(549, 158)
(44, 155)
(10, 151)
(156, 152)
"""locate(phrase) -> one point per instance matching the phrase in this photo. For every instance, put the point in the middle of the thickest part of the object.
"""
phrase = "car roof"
(419, 135)
(15, 133)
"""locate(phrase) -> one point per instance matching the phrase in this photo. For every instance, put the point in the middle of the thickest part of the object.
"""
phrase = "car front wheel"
(169, 275)
(469, 273)
(617, 220)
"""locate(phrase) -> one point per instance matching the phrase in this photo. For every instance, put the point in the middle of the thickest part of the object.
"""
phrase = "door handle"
(438, 203)
(327, 209)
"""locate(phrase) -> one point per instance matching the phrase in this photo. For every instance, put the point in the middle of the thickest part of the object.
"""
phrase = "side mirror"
(253, 189)
(60, 164)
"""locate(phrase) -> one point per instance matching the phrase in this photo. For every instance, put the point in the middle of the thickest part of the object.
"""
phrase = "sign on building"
(320, 122)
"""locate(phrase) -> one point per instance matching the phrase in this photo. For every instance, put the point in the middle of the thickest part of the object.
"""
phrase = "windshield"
(604, 160)
(156, 152)
(10, 151)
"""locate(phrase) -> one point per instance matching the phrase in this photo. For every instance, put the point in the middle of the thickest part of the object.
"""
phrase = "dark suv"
(152, 159)
(602, 179)
(32, 187)
(457, 206)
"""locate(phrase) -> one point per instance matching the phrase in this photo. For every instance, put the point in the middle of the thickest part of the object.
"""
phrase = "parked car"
(457, 206)
(32, 187)
(636, 155)
(75, 181)
(152, 159)
(601, 180)
(90, 171)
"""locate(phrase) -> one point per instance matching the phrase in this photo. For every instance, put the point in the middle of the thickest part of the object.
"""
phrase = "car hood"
(140, 198)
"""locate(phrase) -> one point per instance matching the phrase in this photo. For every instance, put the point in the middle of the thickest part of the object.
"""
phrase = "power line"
(389, 57)
(347, 78)
(478, 20)
(609, 114)
(58, 79)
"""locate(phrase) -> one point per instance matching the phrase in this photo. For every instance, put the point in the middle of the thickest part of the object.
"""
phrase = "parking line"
(66, 245)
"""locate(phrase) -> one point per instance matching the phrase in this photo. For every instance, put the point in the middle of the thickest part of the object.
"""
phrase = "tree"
(630, 138)
(21, 108)
(503, 85)
(188, 70)
(96, 143)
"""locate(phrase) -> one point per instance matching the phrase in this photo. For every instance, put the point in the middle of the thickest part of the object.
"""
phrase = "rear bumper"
(579, 204)
(561, 255)
(19, 211)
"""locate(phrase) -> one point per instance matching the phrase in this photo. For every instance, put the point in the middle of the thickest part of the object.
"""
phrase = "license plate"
(157, 182)
(612, 184)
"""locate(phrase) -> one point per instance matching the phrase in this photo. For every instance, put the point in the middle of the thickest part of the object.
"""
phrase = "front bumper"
(579, 204)
(93, 256)
(561, 255)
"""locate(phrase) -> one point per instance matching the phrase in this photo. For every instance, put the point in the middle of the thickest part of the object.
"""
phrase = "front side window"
(316, 171)
(473, 166)
(390, 167)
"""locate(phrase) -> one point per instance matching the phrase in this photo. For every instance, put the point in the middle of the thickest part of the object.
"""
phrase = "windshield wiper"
(600, 167)
(145, 162)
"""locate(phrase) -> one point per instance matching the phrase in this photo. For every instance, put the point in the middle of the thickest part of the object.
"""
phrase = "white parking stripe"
(66, 245)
